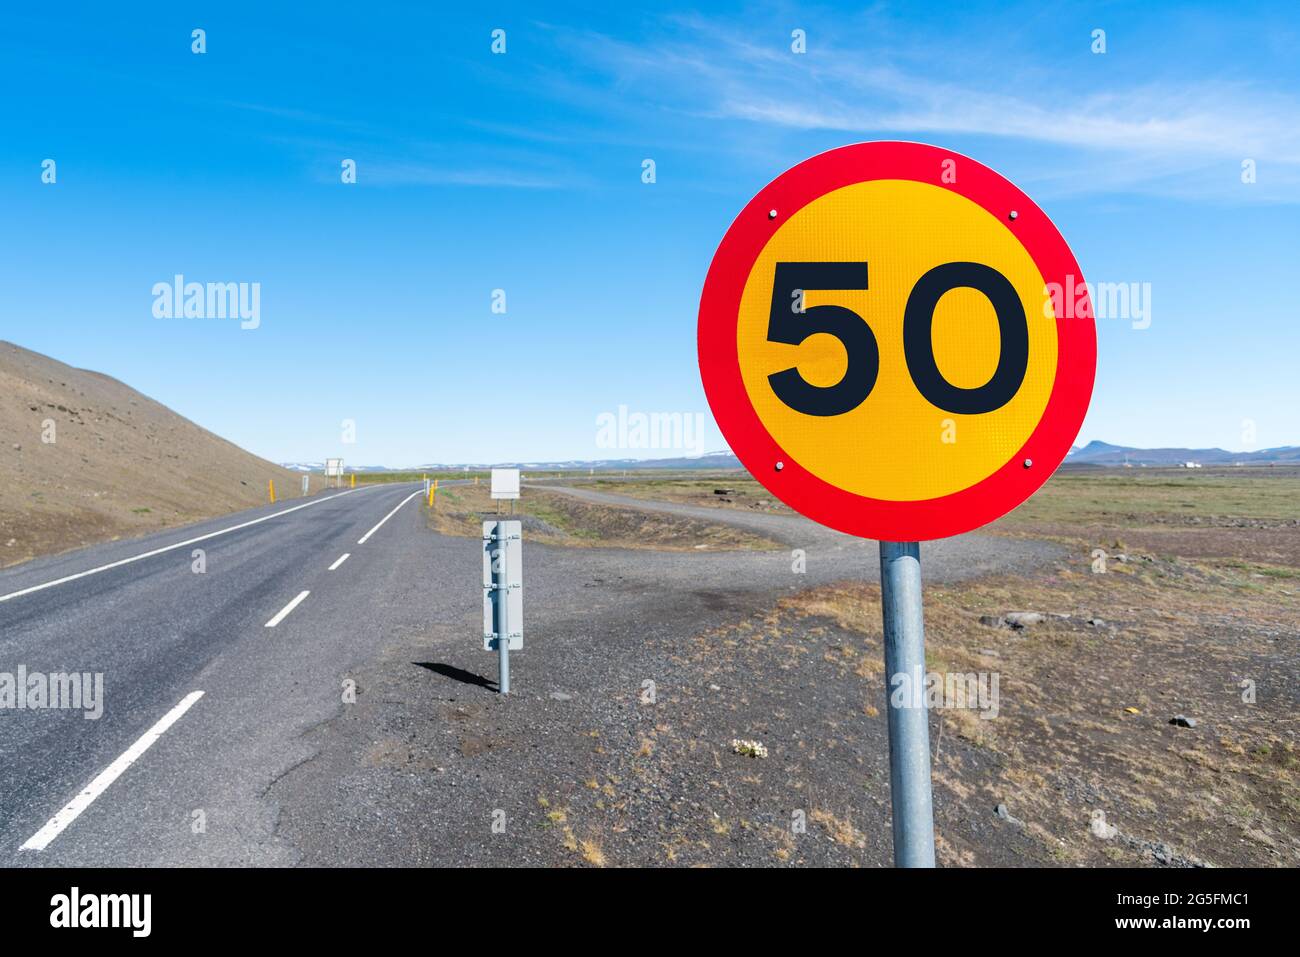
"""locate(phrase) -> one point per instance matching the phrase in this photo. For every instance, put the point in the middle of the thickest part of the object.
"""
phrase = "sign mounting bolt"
(771, 214)
(1029, 463)
(779, 466)
(1013, 214)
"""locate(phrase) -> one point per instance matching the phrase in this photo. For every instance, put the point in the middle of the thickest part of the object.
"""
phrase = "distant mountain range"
(1094, 453)
(710, 460)
(1103, 453)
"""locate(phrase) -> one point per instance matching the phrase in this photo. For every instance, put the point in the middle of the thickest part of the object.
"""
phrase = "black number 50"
(791, 327)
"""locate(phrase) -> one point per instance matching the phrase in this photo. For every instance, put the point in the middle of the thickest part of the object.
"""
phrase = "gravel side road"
(615, 746)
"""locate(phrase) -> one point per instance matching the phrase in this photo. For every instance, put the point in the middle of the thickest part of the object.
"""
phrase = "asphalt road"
(206, 708)
(159, 632)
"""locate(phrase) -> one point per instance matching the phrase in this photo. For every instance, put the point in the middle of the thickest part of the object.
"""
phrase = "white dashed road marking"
(284, 612)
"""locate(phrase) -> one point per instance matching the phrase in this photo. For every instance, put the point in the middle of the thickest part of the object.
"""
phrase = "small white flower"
(754, 749)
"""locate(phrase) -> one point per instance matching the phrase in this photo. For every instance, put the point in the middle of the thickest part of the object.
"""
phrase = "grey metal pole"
(909, 730)
(503, 604)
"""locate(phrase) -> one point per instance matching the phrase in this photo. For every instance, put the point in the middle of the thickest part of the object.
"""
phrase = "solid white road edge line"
(55, 825)
(342, 558)
(284, 612)
(389, 515)
(168, 548)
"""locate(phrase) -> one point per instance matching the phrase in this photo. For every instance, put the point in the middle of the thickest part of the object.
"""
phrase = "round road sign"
(896, 341)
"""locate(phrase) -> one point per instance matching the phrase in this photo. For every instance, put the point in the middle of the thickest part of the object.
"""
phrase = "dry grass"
(741, 491)
(1084, 709)
(553, 518)
(592, 852)
(840, 829)
(1246, 513)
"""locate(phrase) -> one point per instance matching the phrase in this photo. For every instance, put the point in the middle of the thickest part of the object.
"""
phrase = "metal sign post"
(909, 729)
(879, 234)
(503, 598)
(503, 612)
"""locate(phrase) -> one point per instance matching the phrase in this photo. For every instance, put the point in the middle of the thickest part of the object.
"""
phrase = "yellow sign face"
(881, 437)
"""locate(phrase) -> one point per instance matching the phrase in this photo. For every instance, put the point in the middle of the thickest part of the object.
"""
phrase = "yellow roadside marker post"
(354, 479)
(270, 488)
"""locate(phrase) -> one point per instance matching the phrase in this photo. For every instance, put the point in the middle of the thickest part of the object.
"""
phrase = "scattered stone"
(1182, 721)
(753, 749)
(1162, 853)
(1132, 711)
(1023, 619)
(1099, 828)
(1097, 622)
(1003, 812)
(715, 688)
(992, 621)
(561, 696)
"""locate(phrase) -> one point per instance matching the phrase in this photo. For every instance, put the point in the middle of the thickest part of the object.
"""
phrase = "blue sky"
(522, 172)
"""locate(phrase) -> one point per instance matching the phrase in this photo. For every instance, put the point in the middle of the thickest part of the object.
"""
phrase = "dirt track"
(583, 765)
(586, 769)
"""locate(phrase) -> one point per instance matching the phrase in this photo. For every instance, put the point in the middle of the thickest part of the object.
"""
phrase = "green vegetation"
(1165, 496)
(384, 478)
(555, 518)
(738, 488)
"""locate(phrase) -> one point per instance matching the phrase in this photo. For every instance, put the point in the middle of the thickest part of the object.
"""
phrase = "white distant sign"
(503, 571)
(505, 483)
(333, 467)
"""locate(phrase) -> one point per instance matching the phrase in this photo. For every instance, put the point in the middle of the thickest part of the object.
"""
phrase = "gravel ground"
(615, 747)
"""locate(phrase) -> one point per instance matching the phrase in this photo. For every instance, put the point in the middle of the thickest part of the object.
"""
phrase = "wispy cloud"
(392, 157)
(1208, 121)
(417, 174)
(1163, 137)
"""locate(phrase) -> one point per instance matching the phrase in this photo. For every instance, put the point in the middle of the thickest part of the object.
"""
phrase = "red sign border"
(803, 491)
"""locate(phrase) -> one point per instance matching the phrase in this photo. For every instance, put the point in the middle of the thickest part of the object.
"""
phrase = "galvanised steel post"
(909, 730)
(503, 604)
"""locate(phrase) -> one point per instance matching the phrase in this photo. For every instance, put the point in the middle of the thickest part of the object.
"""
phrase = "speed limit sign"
(881, 347)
